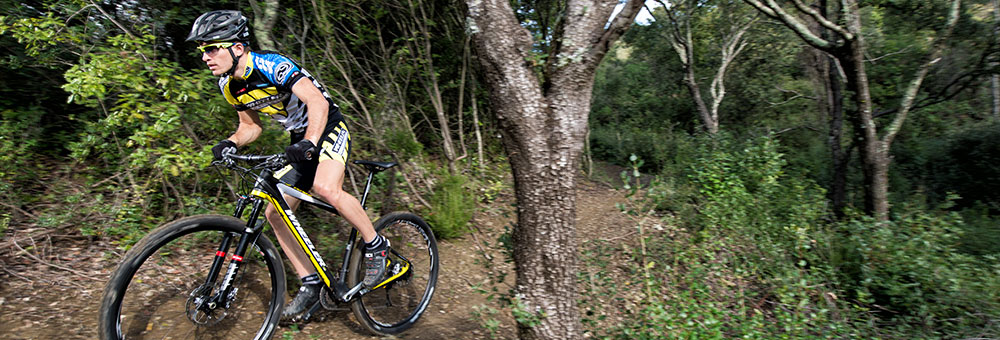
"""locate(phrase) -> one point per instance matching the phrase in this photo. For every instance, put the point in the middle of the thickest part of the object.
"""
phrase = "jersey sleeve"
(283, 71)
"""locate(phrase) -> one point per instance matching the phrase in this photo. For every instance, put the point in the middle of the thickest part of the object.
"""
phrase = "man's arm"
(316, 106)
(249, 129)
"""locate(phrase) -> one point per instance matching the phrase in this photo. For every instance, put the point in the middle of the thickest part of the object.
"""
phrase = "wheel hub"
(201, 309)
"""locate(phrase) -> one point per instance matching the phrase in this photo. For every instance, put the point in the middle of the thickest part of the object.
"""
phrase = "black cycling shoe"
(303, 304)
(375, 263)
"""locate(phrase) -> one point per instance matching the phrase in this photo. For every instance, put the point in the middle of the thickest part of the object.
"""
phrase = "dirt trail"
(54, 292)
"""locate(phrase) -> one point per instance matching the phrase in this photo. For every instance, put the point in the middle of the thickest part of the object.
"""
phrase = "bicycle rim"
(160, 297)
(398, 304)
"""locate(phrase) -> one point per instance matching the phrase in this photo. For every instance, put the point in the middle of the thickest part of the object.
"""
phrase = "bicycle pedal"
(301, 318)
(309, 313)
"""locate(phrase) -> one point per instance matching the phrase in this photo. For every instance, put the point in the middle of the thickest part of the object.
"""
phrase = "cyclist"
(267, 82)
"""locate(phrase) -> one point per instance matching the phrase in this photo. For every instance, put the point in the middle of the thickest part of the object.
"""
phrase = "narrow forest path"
(52, 282)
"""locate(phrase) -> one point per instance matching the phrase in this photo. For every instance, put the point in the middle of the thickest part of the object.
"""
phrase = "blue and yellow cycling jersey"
(266, 87)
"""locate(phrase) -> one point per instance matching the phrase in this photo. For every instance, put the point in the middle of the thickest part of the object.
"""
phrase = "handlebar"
(255, 158)
(273, 161)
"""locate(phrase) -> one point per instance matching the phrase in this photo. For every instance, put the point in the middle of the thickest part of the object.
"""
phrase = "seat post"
(368, 186)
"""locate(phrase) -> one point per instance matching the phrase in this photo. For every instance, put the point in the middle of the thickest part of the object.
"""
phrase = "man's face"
(218, 59)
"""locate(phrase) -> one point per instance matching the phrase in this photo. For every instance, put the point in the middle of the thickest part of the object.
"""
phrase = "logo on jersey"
(265, 65)
(282, 70)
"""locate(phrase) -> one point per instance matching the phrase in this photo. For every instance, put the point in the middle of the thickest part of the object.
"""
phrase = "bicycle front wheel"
(412, 272)
(159, 290)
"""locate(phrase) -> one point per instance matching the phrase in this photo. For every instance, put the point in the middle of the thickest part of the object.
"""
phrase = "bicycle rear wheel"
(398, 304)
(155, 291)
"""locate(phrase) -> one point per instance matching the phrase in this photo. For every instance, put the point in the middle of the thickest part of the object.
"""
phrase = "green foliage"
(748, 266)
(965, 162)
(453, 205)
(758, 259)
(403, 142)
(141, 127)
(910, 268)
(660, 148)
(19, 136)
(981, 232)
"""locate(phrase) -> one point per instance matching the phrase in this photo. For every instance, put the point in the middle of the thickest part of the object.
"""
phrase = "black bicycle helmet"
(222, 25)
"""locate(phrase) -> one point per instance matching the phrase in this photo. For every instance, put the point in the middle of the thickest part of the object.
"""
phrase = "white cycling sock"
(311, 279)
(377, 242)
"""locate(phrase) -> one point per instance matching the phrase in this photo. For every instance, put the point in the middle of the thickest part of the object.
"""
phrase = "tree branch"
(932, 58)
(822, 20)
(618, 25)
(775, 11)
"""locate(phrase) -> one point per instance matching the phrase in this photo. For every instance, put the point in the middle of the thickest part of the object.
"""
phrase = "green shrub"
(750, 264)
(19, 135)
(910, 273)
(658, 148)
(965, 163)
(403, 142)
(981, 230)
(453, 206)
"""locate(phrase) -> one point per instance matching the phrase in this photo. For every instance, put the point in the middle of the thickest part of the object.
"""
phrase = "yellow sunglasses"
(211, 48)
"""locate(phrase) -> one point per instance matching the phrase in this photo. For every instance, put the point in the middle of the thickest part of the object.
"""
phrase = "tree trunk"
(543, 132)
(874, 155)
(838, 185)
(264, 18)
(475, 124)
(710, 125)
(681, 38)
(875, 162)
(995, 79)
(833, 105)
(849, 48)
(683, 45)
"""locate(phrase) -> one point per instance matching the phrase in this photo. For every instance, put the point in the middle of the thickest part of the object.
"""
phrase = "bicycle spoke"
(167, 297)
(397, 304)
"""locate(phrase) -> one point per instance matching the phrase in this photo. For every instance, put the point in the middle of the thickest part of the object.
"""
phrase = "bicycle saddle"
(374, 166)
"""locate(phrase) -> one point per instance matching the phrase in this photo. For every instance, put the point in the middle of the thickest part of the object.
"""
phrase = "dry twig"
(53, 265)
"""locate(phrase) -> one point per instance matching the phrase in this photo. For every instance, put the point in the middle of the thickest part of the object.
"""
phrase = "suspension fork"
(220, 253)
(226, 291)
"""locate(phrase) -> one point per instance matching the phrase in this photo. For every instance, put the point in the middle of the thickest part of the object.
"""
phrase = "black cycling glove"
(224, 147)
(302, 151)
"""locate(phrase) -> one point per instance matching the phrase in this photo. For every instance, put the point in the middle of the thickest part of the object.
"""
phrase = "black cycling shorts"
(334, 145)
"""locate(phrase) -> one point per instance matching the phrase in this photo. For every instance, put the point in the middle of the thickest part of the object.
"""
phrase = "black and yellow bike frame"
(269, 190)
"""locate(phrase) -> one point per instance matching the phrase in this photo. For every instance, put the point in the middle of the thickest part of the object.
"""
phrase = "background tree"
(849, 48)
(542, 105)
(681, 19)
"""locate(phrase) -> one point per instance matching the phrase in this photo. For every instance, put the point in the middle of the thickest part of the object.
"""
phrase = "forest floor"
(52, 279)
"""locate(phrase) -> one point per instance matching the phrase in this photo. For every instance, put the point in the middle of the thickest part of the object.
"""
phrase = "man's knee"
(271, 213)
(328, 192)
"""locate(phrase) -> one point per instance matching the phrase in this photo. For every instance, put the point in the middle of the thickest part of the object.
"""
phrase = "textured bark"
(827, 79)
(543, 132)
(995, 79)
(265, 14)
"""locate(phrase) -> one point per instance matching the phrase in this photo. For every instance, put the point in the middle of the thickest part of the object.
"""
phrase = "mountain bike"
(217, 277)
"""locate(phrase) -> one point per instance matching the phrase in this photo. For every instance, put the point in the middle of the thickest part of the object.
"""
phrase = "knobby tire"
(149, 294)
(394, 308)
